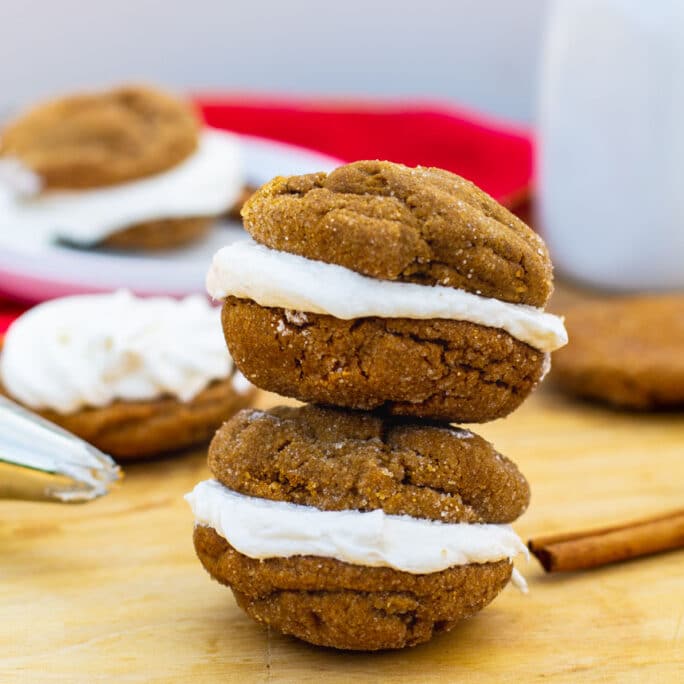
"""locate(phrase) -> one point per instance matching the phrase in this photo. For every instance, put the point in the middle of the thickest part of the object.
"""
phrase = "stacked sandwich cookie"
(355, 531)
(399, 300)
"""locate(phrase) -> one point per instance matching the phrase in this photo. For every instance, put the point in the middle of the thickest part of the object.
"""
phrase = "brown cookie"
(162, 234)
(392, 222)
(439, 369)
(330, 603)
(626, 351)
(98, 139)
(129, 430)
(334, 459)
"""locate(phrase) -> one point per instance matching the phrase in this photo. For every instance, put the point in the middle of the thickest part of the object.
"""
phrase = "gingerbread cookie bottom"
(436, 369)
(159, 235)
(331, 603)
(133, 430)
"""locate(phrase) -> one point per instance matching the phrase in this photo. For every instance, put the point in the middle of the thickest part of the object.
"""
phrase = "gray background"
(480, 53)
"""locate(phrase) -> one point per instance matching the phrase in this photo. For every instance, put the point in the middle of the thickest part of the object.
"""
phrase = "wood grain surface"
(112, 591)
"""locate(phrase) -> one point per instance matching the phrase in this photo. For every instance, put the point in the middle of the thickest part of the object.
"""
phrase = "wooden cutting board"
(112, 591)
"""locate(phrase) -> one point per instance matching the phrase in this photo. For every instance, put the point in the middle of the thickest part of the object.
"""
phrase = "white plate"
(38, 272)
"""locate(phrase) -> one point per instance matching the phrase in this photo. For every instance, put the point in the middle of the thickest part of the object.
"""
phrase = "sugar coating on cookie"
(335, 459)
(625, 351)
(393, 222)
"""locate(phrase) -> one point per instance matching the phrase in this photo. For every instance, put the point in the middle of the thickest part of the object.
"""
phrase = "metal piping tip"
(40, 461)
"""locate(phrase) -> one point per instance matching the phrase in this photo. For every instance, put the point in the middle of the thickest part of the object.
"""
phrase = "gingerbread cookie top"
(335, 460)
(392, 222)
(99, 139)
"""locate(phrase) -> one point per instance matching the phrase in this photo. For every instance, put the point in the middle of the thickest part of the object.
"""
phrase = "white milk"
(611, 153)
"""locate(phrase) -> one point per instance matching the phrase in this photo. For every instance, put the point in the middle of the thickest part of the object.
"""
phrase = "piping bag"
(42, 462)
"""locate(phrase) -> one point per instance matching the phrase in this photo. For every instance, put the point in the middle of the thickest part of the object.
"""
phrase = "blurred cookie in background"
(625, 351)
(131, 168)
(134, 377)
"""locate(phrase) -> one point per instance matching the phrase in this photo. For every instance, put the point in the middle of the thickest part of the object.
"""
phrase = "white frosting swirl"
(260, 528)
(207, 183)
(91, 350)
(272, 278)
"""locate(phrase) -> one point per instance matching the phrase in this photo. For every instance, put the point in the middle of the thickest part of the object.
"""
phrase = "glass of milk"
(611, 142)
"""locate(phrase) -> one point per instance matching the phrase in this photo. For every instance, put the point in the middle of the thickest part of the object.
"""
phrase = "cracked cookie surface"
(393, 222)
(335, 459)
(99, 139)
(438, 369)
(331, 603)
(625, 351)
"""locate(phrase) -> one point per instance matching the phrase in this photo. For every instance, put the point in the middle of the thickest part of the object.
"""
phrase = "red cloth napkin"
(8, 312)
(495, 156)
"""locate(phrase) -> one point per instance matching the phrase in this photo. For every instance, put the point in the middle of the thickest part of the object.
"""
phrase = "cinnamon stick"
(593, 548)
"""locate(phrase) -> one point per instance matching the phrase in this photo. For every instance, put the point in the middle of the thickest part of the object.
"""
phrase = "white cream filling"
(271, 278)
(260, 528)
(205, 184)
(240, 383)
(91, 350)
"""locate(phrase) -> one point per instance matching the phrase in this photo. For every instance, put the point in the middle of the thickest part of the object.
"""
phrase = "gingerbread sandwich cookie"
(348, 530)
(379, 286)
(130, 168)
(134, 377)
